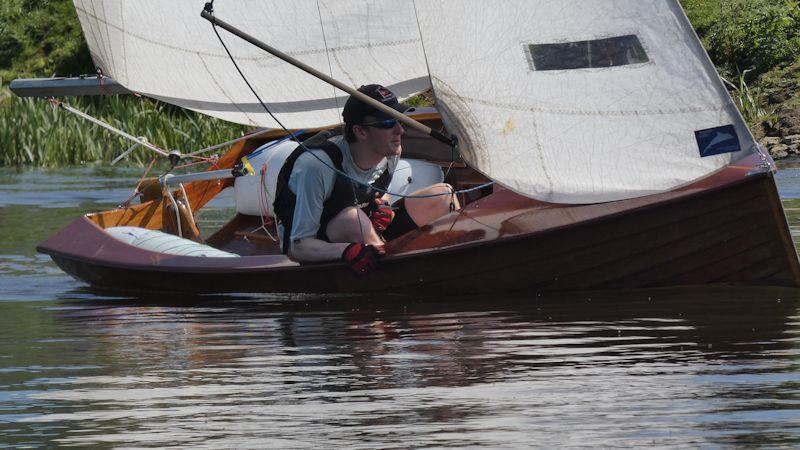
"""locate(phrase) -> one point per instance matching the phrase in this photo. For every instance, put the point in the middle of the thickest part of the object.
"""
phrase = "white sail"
(165, 50)
(581, 100)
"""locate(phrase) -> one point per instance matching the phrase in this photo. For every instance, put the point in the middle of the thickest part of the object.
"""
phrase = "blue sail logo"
(713, 141)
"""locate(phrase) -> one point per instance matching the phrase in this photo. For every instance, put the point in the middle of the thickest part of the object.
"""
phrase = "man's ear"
(360, 131)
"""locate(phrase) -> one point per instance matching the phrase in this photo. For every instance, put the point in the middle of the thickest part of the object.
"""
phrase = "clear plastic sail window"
(608, 52)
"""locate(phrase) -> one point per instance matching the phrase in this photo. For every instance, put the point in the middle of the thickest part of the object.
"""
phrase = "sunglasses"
(382, 124)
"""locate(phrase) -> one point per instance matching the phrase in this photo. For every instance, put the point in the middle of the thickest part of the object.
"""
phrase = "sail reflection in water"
(663, 367)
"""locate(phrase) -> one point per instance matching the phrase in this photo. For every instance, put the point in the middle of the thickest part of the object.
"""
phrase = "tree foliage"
(747, 35)
(40, 38)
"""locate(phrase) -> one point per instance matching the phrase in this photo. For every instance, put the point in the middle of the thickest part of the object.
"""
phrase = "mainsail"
(581, 100)
(165, 50)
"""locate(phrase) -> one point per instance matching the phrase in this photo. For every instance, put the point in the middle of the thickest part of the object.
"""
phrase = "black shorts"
(401, 224)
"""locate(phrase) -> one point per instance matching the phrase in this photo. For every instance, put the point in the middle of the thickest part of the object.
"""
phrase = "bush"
(41, 38)
(9, 47)
(703, 13)
(758, 35)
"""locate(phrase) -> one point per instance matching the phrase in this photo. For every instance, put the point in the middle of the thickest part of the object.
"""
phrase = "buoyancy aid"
(346, 193)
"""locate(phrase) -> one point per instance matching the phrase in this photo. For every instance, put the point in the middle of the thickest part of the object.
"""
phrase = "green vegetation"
(751, 42)
(755, 45)
(43, 38)
(747, 35)
(422, 100)
(749, 100)
(32, 132)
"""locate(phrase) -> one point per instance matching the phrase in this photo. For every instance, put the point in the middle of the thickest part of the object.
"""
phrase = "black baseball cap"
(355, 111)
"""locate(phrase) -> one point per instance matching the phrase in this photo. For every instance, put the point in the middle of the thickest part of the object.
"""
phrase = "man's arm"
(312, 182)
(360, 258)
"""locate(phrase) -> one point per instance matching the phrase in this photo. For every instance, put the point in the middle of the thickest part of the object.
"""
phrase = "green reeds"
(33, 132)
(749, 101)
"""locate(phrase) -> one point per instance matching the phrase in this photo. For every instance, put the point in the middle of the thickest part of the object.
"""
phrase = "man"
(325, 216)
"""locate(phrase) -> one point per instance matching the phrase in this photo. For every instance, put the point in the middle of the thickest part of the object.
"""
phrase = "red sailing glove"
(362, 258)
(381, 215)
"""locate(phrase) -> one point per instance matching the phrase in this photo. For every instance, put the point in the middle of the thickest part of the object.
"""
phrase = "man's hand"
(362, 258)
(381, 214)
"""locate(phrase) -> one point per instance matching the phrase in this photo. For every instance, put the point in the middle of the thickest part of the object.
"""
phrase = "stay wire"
(328, 56)
(307, 150)
(138, 141)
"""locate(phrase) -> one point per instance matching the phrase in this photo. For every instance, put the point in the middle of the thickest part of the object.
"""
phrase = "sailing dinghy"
(605, 148)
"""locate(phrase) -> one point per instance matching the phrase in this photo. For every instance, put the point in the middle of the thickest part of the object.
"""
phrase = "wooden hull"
(728, 228)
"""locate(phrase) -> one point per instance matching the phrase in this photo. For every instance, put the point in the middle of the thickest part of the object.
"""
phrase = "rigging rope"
(136, 190)
(263, 201)
(137, 140)
(232, 141)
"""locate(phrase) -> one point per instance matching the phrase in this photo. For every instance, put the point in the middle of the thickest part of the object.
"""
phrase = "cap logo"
(384, 93)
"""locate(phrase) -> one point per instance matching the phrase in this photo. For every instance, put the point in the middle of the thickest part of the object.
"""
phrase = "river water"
(703, 367)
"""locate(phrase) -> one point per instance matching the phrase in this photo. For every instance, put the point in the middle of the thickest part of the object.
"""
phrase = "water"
(87, 368)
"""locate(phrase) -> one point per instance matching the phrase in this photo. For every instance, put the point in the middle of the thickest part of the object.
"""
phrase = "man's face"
(382, 136)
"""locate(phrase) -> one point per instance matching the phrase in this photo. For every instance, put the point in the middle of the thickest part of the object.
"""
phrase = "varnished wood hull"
(729, 228)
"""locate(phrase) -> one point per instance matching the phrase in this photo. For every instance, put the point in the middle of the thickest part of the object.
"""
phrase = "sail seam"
(123, 41)
(106, 41)
(540, 157)
(572, 112)
(295, 106)
(258, 58)
(222, 89)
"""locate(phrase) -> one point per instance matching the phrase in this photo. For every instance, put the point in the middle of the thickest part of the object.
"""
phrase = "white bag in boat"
(411, 175)
(252, 199)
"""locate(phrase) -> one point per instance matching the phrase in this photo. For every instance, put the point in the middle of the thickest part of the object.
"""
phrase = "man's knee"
(427, 209)
(446, 198)
(349, 225)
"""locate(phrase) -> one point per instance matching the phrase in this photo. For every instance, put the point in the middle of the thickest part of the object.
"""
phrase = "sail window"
(715, 141)
(608, 52)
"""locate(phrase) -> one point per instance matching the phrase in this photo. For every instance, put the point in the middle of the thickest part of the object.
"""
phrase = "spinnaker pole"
(402, 118)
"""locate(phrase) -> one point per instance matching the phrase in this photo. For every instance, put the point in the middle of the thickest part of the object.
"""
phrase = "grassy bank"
(42, 38)
(32, 132)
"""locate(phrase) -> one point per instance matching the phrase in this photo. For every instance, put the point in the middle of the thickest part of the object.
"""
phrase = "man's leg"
(352, 225)
(425, 210)
(412, 213)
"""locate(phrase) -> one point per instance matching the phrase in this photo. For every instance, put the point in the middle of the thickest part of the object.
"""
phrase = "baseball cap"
(355, 111)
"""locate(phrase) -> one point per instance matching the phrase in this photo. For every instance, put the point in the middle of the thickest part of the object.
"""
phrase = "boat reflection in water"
(666, 367)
